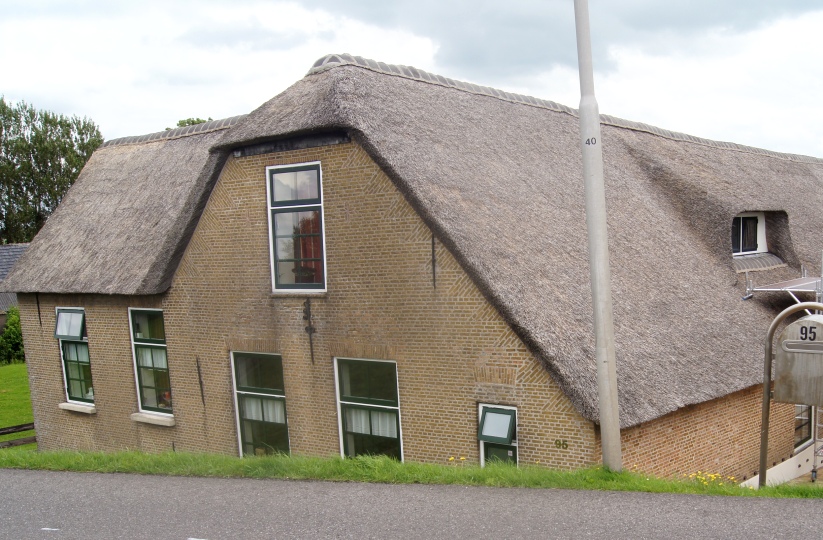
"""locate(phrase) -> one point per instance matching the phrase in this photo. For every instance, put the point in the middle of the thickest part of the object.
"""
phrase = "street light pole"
(598, 245)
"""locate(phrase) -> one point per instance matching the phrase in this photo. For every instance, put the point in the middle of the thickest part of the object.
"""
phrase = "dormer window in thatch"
(749, 234)
(297, 246)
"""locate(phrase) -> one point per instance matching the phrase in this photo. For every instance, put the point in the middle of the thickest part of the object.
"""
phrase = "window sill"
(298, 292)
(154, 419)
(77, 407)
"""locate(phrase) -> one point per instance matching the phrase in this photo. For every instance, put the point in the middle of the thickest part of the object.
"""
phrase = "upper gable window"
(296, 227)
(749, 233)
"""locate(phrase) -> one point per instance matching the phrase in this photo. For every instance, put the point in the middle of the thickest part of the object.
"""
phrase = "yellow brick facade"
(452, 348)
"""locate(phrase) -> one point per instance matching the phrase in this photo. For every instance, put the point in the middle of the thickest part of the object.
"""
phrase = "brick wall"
(452, 349)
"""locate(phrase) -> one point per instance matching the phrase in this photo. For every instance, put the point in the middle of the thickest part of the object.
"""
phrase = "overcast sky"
(746, 71)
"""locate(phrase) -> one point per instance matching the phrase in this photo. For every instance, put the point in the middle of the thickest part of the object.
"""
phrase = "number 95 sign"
(798, 375)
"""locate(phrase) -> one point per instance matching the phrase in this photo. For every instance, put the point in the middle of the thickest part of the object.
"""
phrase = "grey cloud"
(493, 40)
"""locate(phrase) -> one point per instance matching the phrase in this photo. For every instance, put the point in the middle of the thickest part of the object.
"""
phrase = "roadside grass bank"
(384, 470)
(15, 400)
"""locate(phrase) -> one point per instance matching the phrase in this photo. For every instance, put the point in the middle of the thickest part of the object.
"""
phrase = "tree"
(11, 340)
(190, 122)
(41, 155)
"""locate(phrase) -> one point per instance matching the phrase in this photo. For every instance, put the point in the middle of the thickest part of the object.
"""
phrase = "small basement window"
(497, 433)
(749, 233)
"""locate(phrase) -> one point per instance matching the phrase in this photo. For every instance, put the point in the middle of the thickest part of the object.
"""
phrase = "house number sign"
(798, 373)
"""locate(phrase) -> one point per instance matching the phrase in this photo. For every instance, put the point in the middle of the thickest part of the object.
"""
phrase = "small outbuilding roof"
(498, 179)
(9, 253)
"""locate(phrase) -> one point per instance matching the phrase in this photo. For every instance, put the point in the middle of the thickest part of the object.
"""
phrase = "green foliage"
(190, 122)
(15, 401)
(11, 340)
(41, 155)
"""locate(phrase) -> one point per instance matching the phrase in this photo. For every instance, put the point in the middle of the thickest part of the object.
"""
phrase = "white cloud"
(141, 69)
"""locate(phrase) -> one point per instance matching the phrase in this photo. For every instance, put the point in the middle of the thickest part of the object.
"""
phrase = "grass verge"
(378, 469)
(15, 400)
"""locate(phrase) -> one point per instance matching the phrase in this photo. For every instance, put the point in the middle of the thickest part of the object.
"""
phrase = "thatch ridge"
(331, 61)
(176, 133)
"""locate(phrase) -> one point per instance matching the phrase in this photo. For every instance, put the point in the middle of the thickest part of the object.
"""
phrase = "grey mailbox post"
(799, 373)
(798, 362)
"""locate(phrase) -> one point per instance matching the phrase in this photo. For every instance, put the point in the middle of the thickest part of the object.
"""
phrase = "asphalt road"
(63, 506)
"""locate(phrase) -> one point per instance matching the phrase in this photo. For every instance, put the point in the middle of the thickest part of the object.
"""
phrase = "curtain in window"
(384, 424)
(357, 420)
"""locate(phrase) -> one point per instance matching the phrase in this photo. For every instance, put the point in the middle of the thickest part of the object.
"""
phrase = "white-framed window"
(70, 331)
(749, 233)
(803, 425)
(296, 240)
(260, 402)
(151, 367)
(368, 407)
(497, 433)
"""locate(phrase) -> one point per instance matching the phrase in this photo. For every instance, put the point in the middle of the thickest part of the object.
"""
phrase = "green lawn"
(15, 400)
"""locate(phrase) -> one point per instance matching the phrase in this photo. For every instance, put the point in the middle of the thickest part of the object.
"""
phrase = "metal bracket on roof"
(791, 286)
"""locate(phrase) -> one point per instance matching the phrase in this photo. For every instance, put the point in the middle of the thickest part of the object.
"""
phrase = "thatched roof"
(9, 253)
(498, 178)
(123, 225)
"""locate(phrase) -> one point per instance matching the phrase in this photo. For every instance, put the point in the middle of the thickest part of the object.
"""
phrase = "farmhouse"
(382, 260)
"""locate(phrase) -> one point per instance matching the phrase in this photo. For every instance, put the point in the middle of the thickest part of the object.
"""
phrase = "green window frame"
(77, 371)
(496, 425)
(261, 403)
(369, 408)
(151, 366)
(297, 245)
(70, 324)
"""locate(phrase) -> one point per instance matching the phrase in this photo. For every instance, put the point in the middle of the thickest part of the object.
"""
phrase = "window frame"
(810, 410)
(482, 443)
(275, 394)
(153, 344)
(70, 337)
(762, 246)
(343, 404)
(61, 342)
(295, 206)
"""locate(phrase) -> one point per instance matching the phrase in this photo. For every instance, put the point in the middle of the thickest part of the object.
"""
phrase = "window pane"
(149, 397)
(259, 372)
(295, 185)
(143, 356)
(252, 408)
(357, 420)
(148, 325)
(496, 424)
(74, 370)
(69, 324)
(82, 351)
(749, 234)
(384, 424)
(75, 390)
(274, 411)
(70, 351)
(158, 357)
(368, 380)
(147, 377)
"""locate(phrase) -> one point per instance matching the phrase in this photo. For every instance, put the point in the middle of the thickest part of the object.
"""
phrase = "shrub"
(11, 340)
